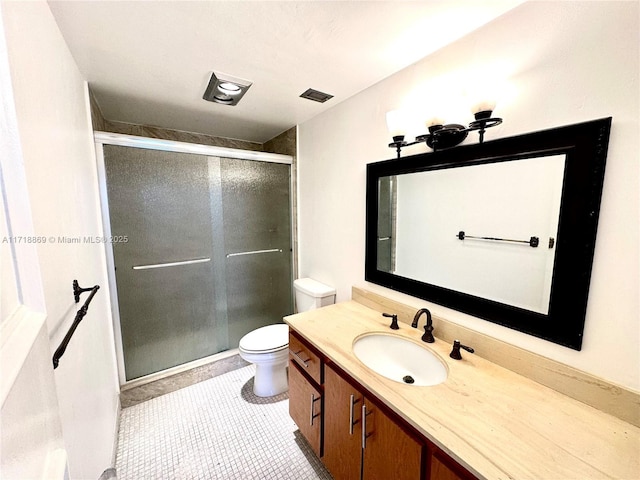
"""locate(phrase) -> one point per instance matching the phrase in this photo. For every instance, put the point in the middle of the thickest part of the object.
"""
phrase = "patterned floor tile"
(216, 429)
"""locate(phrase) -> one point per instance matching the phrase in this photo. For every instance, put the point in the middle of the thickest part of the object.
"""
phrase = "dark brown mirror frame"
(585, 146)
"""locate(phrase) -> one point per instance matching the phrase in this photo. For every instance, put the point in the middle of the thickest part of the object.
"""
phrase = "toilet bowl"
(267, 348)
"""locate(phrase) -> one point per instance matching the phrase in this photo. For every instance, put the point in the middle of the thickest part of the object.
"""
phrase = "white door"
(31, 443)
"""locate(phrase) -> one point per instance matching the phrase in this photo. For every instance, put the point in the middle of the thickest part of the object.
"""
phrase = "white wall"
(556, 63)
(31, 443)
(52, 109)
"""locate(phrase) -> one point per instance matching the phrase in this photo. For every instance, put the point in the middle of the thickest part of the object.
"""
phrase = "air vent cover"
(316, 95)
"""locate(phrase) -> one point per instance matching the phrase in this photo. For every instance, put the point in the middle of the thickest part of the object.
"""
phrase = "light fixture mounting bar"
(449, 135)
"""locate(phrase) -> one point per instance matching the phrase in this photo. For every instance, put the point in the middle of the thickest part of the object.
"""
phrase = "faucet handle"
(394, 320)
(428, 334)
(455, 352)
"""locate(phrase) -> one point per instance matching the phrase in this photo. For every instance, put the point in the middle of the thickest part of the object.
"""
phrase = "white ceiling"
(148, 62)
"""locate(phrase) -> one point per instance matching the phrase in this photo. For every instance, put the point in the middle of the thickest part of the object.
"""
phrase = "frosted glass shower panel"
(257, 238)
(166, 286)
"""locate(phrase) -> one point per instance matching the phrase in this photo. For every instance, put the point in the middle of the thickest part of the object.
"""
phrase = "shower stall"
(198, 246)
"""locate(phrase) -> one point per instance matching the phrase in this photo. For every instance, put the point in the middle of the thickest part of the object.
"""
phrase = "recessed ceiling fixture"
(225, 89)
(316, 95)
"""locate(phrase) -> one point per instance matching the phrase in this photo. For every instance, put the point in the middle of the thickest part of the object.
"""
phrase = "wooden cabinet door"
(305, 404)
(389, 452)
(444, 467)
(342, 438)
(439, 471)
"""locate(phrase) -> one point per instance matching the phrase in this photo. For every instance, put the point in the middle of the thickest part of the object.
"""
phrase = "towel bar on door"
(77, 290)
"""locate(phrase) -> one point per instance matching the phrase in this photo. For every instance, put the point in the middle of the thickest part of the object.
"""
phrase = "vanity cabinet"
(329, 407)
(360, 436)
(305, 391)
(441, 467)
(389, 451)
(305, 407)
(306, 358)
(342, 433)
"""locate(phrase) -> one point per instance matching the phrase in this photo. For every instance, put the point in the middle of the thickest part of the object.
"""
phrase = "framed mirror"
(504, 230)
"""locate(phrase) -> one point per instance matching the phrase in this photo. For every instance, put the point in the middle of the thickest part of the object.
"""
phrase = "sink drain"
(408, 379)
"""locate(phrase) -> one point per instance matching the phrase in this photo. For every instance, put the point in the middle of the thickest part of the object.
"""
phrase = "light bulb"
(483, 106)
(397, 121)
(229, 88)
(434, 121)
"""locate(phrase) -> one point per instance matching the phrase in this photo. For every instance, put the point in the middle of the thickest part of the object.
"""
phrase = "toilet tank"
(311, 294)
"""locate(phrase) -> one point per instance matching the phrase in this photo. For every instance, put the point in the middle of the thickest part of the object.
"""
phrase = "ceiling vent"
(316, 96)
(225, 89)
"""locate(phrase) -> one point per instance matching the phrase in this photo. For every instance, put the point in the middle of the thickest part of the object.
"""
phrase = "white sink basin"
(399, 359)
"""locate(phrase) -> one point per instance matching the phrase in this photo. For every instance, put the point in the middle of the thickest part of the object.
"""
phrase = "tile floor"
(150, 390)
(215, 429)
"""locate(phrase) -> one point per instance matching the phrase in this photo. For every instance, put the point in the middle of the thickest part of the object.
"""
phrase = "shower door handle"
(171, 264)
(254, 252)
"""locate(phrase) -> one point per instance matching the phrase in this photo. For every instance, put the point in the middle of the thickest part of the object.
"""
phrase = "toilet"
(268, 347)
(311, 294)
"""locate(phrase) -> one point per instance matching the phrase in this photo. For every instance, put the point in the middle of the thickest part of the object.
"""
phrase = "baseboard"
(116, 432)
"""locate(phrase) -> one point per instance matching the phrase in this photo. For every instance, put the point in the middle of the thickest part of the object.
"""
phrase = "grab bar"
(533, 241)
(171, 264)
(254, 252)
(79, 316)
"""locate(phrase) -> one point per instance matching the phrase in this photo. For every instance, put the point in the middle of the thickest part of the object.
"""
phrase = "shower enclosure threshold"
(185, 367)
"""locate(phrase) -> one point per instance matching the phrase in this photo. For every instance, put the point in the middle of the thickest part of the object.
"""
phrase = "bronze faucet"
(455, 351)
(428, 328)
(394, 320)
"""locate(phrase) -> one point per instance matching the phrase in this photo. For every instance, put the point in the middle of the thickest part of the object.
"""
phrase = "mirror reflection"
(503, 231)
(488, 230)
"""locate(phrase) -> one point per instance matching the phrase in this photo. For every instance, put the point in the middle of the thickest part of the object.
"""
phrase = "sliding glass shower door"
(207, 256)
(257, 244)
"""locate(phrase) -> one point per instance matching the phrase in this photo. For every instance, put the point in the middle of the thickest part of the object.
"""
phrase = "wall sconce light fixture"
(442, 135)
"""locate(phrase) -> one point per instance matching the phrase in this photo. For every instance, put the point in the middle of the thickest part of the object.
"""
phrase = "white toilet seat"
(271, 338)
(271, 350)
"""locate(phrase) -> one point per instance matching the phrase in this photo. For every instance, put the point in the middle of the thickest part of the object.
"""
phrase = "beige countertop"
(496, 423)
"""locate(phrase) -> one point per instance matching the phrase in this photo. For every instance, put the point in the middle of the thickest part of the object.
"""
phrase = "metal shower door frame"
(107, 138)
